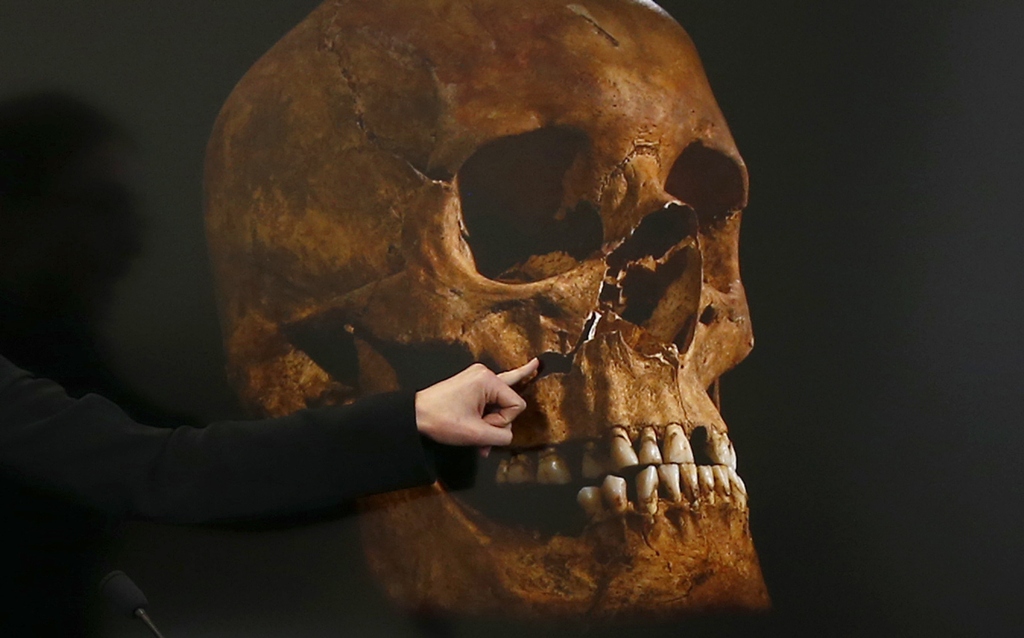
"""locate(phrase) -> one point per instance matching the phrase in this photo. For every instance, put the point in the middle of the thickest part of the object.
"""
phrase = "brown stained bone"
(362, 182)
(625, 566)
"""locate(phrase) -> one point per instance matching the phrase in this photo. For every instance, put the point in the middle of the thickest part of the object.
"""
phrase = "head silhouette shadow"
(70, 228)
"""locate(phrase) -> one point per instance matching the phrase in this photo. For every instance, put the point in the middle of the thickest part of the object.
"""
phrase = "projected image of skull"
(397, 190)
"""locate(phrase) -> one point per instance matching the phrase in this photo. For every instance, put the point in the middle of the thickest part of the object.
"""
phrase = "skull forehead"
(619, 71)
(319, 169)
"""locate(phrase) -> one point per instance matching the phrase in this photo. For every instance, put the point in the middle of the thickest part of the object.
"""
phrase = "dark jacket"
(91, 452)
(62, 459)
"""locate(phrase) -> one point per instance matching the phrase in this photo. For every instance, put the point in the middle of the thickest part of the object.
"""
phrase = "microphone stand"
(141, 614)
(126, 597)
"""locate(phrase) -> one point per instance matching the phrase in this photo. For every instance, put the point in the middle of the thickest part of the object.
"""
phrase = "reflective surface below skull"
(398, 189)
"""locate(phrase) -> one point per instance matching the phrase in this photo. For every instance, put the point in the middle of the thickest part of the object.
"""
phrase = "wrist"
(423, 421)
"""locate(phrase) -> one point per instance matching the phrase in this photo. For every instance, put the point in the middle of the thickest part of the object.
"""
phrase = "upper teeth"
(649, 452)
(593, 466)
(551, 469)
(520, 469)
(720, 449)
(622, 452)
(677, 446)
(668, 469)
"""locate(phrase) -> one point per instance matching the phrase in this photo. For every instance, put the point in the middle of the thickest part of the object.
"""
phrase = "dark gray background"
(877, 421)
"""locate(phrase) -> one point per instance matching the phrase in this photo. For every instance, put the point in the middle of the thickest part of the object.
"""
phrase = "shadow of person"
(69, 230)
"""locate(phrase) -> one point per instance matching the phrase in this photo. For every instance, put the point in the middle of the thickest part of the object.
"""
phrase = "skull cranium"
(400, 188)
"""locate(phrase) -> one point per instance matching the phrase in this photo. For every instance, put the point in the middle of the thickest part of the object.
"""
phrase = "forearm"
(89, 450)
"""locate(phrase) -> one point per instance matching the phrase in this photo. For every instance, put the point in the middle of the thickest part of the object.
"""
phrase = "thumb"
(487, 435)
(496, 419)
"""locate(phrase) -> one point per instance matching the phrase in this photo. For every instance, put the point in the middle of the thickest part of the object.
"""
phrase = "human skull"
(399, 188)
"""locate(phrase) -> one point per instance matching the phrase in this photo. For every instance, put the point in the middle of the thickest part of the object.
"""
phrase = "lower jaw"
(430, 553)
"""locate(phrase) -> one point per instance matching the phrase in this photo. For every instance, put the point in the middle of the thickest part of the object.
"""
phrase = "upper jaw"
(658, 469)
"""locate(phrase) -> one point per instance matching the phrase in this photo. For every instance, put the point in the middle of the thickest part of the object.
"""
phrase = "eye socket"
(709, 181)
(512, 192)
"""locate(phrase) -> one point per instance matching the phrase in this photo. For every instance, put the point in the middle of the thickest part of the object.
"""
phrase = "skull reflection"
(400, 188)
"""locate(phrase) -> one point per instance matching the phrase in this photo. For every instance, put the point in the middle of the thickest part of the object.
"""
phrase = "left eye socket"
(710, 182)
(511, 192)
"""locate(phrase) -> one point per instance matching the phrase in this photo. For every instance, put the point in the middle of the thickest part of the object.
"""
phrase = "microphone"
(126, 598)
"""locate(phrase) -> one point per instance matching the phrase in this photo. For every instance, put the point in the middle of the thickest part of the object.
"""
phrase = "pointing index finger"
(515, 375)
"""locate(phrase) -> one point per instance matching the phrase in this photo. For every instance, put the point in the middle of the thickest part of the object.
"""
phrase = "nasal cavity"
(554, 363)
(656, 235)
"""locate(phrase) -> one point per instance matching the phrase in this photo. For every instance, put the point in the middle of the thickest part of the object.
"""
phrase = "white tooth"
(721, 473)
(677, 447)
(688, 474)
(614, 492)
(501, 476)
(649, 452)
(520, 469)
(668, 478)
(647, 489)
(589, 499)
(732, 457)
(706, 480)
(593, 465)
(551, 469)
(737, 482)
(739, 490)
(718, 448)
(622, 450)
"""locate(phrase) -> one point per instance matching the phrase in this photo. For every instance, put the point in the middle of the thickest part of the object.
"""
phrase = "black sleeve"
(89, 450)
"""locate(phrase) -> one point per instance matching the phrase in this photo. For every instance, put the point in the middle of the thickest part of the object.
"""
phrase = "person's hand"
(475, 407)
